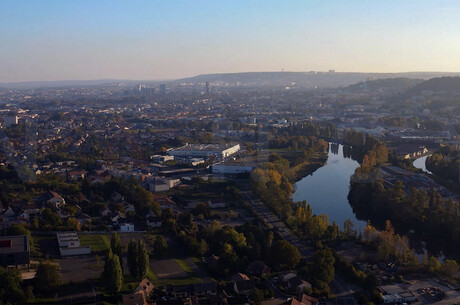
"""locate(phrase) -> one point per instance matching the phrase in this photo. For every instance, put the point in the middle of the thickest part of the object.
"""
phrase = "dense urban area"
(182, 192)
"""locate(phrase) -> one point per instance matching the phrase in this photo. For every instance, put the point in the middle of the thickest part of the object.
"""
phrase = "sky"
(44, 40)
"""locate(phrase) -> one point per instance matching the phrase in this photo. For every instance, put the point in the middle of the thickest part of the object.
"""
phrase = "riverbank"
(306, 168)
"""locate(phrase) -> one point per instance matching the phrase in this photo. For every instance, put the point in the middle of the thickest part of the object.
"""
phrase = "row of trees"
(137, 258)
(317, 228)
(424, 212)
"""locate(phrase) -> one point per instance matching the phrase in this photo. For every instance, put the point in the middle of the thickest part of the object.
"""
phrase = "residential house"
(116, 197)
(286, 275)
(259, 269)
(8, 213)
(297, 285)
(217, 204)
(140, 294)
(242, 284)
(126, 227)
(145, 286)
(154, 222)
(302, 299)
(54, 199)
(116, 216)
(77, 175)
(238, 300)
(129, 208)
(212, 262)
(196, 290)
(105, 211)
(165, 202)
(134, 299)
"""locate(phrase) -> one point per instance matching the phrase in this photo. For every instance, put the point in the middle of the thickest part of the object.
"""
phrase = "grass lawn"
(41, 243)
(151, 276)
(97, 242)
(196, 260)
(183, 265)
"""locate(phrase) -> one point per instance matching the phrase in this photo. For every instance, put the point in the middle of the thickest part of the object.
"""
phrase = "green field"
(97, 242)
(184, 265)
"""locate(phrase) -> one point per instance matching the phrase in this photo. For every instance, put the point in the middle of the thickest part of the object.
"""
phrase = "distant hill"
(294, 79)
(67, 83)
(397, 84)
(439, 84)
(305, 79)
(433, 94)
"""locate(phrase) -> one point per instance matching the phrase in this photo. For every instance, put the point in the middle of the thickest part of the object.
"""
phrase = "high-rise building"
(162, 88)
(144, 90)
(208, 89)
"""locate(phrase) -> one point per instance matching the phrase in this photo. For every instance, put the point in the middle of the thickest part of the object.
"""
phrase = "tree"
(203, 209)
(284, 253)
(449, 267)
(142, 259)
(257, 296)
(72, 224)
(160, 246)
(47, 278)
(115, 244)
(132, 258)
(202, 247)
(433, 264)
(112, 274)
(322, 265)
(10, 287)
(348, 229)
(18, 229)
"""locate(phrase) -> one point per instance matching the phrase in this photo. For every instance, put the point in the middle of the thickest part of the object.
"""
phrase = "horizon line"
(216, 73)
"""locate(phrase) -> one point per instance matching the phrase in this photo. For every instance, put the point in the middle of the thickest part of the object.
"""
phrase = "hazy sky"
(94, 39)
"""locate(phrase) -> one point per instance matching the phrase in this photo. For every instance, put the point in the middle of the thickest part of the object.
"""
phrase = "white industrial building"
(220, 151)
(231, 168)
(160, 159)
(69, 244)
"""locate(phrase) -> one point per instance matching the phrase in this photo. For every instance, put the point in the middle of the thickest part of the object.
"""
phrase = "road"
(275, 223)
(342, 289)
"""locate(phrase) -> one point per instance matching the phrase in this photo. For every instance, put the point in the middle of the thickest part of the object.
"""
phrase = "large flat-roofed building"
(69, 244)
(232, 168)
(14, 250)
(220, 151)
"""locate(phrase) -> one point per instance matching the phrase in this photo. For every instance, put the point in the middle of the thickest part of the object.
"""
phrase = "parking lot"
(425, 294)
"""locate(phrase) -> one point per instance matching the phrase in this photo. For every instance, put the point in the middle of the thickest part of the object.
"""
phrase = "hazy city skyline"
(60, 40)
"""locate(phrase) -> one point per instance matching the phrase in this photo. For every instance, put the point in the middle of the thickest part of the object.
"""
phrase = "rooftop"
(205, 147)
(14, 244)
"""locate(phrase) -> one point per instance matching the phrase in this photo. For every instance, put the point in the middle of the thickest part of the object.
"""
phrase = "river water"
(326, 190)
(420, 163)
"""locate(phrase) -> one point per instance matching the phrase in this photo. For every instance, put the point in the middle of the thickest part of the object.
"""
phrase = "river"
(326, 190)
(420, 163)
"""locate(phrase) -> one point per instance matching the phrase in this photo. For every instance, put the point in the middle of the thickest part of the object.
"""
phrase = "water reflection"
(326, 190)
(420, 163)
